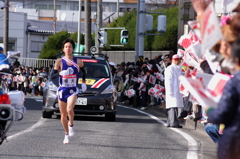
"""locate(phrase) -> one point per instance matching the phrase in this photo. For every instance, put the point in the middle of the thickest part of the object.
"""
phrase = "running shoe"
(66, 139)
(143, 108)
(71, 131)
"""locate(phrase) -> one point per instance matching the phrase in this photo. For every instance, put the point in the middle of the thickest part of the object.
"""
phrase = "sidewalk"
(187, 123)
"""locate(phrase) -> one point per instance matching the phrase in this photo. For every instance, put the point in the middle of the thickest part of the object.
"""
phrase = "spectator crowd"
(30, 80)
(206, 71)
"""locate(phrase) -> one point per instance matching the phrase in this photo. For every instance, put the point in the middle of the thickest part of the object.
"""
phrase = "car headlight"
(51, 86)
(108, 90)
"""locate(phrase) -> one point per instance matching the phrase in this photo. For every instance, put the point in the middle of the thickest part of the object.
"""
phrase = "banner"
(195, 49)
(196, 89)
(134, 79)
(190, 60)
(216, 85)
(184, 41)
(152, 79)
(204, 77)
(130, 93)
(206, 96)
(210, 28)
(193, 37)
(159, 68)
(180, 52)
(195, 28)
(159, 76)
(149, 66)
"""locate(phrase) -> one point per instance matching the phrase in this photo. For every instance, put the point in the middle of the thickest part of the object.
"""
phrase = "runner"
(68, 68)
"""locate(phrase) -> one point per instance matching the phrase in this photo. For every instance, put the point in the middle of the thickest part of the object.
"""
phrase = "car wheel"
(46, 114)
(110, 116)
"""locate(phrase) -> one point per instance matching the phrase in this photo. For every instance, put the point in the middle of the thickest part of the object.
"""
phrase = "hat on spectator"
(175, 57)
(123, 64)
(1, 49)
(130, 66)
(111, 63)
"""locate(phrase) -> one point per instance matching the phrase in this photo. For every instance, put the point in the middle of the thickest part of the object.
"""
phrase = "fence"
(114, 56)
(36, 63)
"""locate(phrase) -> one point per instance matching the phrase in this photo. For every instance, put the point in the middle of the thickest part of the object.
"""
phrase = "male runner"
(68, 68)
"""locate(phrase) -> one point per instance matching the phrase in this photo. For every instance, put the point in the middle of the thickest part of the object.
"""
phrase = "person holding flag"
(174, 98)
(3, 61)
(228, 112)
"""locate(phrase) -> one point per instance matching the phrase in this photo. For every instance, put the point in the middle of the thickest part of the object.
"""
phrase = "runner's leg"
(70, 106)
(63, 111)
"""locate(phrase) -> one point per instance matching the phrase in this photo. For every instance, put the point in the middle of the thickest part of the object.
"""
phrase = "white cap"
(175, 57)
(112, 63)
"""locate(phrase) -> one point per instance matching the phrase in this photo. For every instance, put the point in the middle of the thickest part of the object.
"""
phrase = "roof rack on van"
(93, 55)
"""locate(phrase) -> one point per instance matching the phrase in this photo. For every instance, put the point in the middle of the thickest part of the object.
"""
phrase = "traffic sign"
(93, 49)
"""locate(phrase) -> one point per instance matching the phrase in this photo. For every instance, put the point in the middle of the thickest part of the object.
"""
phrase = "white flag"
(210, 28)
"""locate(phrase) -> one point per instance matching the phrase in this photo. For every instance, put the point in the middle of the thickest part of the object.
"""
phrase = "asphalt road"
(134, 135)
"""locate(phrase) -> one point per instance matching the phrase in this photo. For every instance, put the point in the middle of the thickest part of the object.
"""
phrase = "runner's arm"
(81, 65)
(56, 69)
(83, 74)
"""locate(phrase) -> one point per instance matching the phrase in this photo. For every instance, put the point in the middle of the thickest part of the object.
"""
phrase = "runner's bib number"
(69, 80)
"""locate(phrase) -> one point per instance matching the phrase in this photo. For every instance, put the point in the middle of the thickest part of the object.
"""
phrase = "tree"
(166, 41)
(74, 36)
(53, 45)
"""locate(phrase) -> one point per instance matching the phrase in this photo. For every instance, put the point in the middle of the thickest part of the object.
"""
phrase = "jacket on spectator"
(173, 96)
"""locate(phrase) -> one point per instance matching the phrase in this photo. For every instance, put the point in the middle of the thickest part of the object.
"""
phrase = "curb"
(161, 112)
(189, 122)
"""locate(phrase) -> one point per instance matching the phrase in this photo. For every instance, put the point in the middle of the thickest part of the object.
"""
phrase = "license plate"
(81, 101)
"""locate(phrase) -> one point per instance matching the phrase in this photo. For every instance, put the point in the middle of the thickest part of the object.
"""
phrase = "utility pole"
(141, 20)
(141, 29)
(54, 16)
(6, 26)
(117, 8)
(137, 32)
(79, 25)
(87, 4)
(99, 22)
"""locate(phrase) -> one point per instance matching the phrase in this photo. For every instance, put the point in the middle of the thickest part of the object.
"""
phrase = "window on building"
(129, 9)
(93, 8)
(51, 7)
(41, 6)
(11, 45)
(122, 9)
(81, 9)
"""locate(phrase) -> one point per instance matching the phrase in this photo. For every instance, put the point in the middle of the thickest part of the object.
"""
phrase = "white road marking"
(39, 123)
(192, 144)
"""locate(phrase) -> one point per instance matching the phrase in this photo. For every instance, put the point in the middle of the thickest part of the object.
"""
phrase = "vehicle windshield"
(96, 70)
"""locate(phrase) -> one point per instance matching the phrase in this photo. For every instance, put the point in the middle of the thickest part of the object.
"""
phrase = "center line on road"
(192, 144)
(39, 123)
